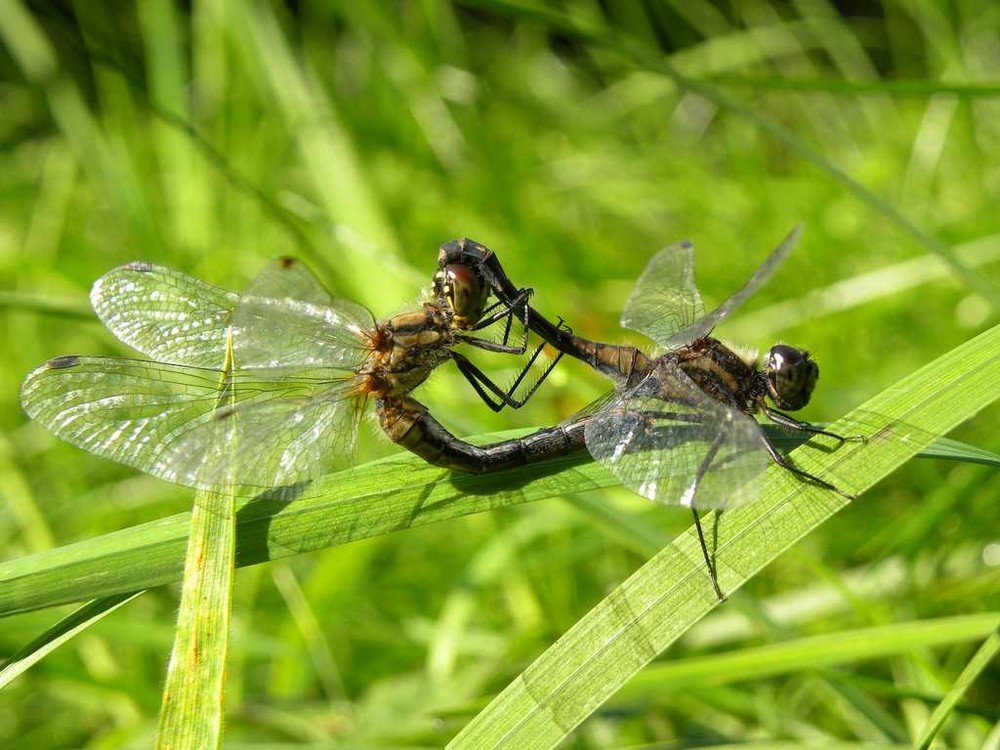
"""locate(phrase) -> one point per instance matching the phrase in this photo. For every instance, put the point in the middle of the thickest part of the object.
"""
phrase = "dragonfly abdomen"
(620, 363)
(408, 423)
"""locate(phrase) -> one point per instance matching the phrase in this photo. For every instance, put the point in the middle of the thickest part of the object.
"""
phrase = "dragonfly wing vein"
(280, 438)
(164, 314)
(286, 317)
(665, 299)
(668, 441)
(278, 426)
(704, 326)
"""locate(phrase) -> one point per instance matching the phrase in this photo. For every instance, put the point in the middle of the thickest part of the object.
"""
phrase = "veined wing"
(665, 299)
(665, 304)
(164, 314)
(703, 326)
(286, 318)
(668, 441)
(198, 427)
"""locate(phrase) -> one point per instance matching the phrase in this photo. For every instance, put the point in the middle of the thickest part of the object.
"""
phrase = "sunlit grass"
(363, 135)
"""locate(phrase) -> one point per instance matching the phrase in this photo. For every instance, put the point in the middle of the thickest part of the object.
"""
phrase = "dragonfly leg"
(487, 389)
(785, 420)
(692, 493)
(503, 310)
(784, 463)
(708, 558)
(524, 370)
(518, 403)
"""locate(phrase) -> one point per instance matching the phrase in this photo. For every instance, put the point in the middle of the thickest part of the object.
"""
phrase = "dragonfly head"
(791, 376)
(459, 289)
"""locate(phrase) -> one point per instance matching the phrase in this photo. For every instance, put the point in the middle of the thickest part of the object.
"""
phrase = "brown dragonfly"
(266, 388)
(680, 427)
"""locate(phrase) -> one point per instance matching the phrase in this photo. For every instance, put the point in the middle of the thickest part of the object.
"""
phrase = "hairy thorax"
(404, 349)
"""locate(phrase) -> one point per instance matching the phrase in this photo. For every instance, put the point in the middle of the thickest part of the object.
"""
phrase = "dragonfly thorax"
(405, 348)
(722, 373)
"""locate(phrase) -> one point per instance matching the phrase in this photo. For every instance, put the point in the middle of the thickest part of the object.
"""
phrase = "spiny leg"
(502, 310)
(485, 386)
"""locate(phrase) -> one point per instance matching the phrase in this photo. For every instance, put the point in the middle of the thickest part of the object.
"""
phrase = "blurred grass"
(214, 137)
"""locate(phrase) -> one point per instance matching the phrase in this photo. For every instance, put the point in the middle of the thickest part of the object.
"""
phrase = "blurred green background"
(575, 140)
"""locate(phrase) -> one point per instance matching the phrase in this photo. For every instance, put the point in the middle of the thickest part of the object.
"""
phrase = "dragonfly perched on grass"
(680, 427)
(266, 388)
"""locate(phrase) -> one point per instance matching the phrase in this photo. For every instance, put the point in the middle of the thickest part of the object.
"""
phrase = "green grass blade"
(369, 500)
(671, 592)
(372, 499)
(980, 660)
(343, 189)
(192, 709)
(826, 650)
(653, 60)
(955, 450)
(917, 87)
(365, 501)
(67, 628)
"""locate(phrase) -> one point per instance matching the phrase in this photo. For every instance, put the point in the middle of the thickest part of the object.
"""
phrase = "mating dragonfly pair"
(265, 388)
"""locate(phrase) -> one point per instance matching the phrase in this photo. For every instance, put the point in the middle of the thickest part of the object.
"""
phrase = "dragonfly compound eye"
(791, 376)
(465, 294)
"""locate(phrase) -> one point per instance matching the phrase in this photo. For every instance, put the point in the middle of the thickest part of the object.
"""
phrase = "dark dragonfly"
(265, 388)
(679, 428)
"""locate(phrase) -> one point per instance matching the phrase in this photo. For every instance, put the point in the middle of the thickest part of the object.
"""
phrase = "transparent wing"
(665, 299)
(164, 314)
(668, 441)
(286, 318)
(273, 429)
(703, 326)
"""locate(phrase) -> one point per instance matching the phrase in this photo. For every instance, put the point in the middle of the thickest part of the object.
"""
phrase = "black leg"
(692, 491)
(503, 310)
(785, 420)
(784, 463)
(487, 389)
(708, 558)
